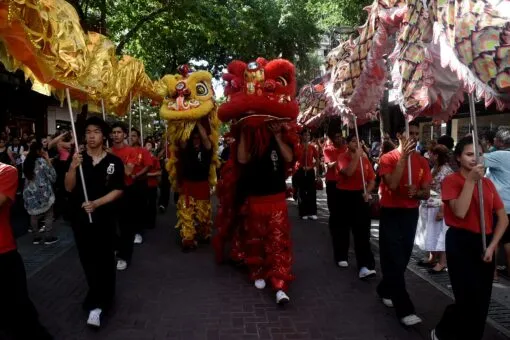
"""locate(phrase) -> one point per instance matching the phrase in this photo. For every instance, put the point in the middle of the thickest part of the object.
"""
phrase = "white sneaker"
(343, 264)
(410, 320)
(94, 319)
(313, 217)
(281, 297)
(304, 217)
(366, 273)
(387, 302)
(121, 265)
(138, 239)
(260, 284)
(433, 335)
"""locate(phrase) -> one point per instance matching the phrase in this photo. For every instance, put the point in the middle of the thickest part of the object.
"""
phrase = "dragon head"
(262, 89)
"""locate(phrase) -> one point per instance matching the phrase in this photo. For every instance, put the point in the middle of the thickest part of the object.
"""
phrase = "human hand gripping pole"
(82, 177)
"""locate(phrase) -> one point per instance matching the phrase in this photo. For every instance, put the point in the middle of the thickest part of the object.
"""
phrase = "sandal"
(435, 271)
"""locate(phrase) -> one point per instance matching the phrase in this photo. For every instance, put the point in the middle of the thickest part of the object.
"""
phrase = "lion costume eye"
(202, 89)
(282, 81)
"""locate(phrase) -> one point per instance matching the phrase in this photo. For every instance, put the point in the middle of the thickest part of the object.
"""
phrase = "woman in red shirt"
(353, 207)
(303, 180)
(470, 268)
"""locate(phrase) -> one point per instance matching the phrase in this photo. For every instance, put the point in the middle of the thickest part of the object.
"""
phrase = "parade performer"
(191, 112)
(252, 215)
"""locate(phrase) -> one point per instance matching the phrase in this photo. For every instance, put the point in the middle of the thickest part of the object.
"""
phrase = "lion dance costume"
(189, 102)
(252, 215)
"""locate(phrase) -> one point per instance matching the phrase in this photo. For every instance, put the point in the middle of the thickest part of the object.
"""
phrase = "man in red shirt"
(142, 165)
(17, 313)
(129, 204)
(400, 198)
(153, 177)
(334, 147)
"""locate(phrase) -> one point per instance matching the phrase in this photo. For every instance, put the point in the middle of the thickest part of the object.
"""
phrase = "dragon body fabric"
(437, 50)
(253, 220)
(189, 101)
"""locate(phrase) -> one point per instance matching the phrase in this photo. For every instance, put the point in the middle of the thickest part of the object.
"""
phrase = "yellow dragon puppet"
(193, 126)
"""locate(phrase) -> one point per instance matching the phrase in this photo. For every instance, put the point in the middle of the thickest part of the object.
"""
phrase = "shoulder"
(453, 178)
(389, 157)
(111, 158)
(8, 171)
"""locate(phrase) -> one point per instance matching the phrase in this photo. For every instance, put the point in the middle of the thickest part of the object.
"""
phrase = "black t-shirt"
(195, 163)
(265, 175)
(101, 179)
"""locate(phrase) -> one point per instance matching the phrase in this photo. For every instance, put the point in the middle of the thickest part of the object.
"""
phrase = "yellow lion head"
(187, 97)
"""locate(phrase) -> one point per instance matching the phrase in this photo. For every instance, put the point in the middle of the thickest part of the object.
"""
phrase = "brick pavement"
(170, 295)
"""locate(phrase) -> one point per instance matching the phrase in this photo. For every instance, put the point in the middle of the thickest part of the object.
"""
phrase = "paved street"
(170, 295)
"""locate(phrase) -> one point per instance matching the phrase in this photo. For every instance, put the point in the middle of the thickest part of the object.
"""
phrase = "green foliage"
(336, 13)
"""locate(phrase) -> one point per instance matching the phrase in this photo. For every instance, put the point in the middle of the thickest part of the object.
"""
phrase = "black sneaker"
(37, 240)
(50, 240)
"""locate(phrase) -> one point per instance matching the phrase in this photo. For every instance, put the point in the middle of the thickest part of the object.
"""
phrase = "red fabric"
(8, 187)
(451, 189)
(198, 190)
(331, 154)
(143, 159)
(309, 156)
(128, 156)
(263, 242)
(420, 175)
(354, 182)
(152, 181)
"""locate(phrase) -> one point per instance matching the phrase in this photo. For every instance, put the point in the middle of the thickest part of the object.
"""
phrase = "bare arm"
(205, 138)
(70, 179)
(353, 164)
(500, 229)
(108, 198)
(242, 156)
(285, 149)
(54, 141)
(460, 206)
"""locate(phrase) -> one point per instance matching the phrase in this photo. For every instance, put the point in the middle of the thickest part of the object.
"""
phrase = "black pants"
(164, 188)
(95, 244)
(131, 218)
(304, 182)
(152, 209)
(396, 239)
(352, 213)
(471, 280)
(18, 315)
(331, 195)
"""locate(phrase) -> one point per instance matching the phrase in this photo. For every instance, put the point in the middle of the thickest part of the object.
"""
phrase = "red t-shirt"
(420, 175)
(8, 187)
(308, 155)
(128, 156)
(143, 159)
(354, 182)
(331, 154)
(152, 181)
(451, 189)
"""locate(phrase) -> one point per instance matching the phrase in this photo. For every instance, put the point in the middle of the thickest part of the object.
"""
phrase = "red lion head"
(260, 89)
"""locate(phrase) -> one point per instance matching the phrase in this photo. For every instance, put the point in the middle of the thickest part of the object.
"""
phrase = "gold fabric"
(193, 217)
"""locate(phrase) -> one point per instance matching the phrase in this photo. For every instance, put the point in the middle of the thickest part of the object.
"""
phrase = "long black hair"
(29, 164)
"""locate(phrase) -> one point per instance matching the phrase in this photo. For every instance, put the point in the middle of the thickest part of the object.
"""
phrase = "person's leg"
(404, 242)
(387, 244)
(49, 235)
(126, 225)
(34, 224)
(141, 193)
(343, 229)
(164, 189)
(186, 212)
(204, 219)
(312, 193)
(361, 233)
(84, 240)
(254, 230)
(336, 227)
(18, 314)
(106, 266)
(298, 183)
(330, 195)
(152, 209)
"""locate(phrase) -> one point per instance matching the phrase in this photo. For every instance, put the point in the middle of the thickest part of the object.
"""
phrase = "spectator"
(38, 193)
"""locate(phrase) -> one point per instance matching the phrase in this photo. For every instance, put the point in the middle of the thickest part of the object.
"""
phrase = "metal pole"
(361, 158)
(432, 131)
(104, 118)
(82, 177)
(476, 147)
(141, 125)
(409, 170)
(130, 115)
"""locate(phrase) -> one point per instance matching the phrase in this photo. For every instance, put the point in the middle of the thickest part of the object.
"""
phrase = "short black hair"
(446, 141)
(402, 127)
(350, 137)
(461, 144)
(96, 121)
(120, 125)
(136, 130)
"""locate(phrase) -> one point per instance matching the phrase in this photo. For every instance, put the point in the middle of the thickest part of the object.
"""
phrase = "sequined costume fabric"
(263, 240)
